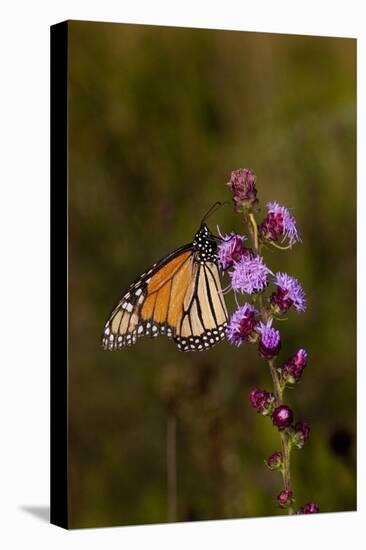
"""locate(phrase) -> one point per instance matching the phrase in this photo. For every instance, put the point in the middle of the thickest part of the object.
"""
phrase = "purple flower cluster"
(270, 340)
(230, 250)
(262, 401)
(279, 223)
(253, 322)
(249, 275)
(242, 184)
(292, 370)
(242, 326)
(289, 292)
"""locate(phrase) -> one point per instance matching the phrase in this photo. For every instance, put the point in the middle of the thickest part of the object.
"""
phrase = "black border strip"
(59, 276)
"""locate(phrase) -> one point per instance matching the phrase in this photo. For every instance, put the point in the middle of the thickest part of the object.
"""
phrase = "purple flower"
(270, 341)
(249, 275)
(242, 325)
(284, 498)
(301, 433)
(292, 370)
(275, 461)
(279, 222)
(282, 417)
(242, 184)
(289, 292)
(230, 250)
(262, 401)
(309, 508)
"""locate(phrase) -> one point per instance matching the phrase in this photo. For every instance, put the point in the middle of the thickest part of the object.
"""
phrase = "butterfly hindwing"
(204, 317)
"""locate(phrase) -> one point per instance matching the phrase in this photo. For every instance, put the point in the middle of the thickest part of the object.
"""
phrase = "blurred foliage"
(158, 119)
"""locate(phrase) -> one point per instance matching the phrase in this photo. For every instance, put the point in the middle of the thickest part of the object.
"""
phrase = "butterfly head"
(205, 245)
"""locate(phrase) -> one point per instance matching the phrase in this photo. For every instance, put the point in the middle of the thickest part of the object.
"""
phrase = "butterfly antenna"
(213, 209)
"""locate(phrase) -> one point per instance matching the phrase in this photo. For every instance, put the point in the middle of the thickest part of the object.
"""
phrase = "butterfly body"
(180, 297)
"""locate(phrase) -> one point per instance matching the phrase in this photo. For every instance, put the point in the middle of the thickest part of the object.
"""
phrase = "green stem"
(278, 389)
(285, 446)
(280, 247)
(254, 231)
(276, 382)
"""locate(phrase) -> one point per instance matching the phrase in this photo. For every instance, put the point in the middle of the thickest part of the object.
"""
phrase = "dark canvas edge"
(59, 276)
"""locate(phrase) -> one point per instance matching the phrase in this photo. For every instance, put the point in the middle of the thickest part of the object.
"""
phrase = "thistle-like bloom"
(279, 223)
(242, 326)
(275, 461)
(242, 184)
(270, 340)
(309, 508)
(249, 275)
(292, 370)
(282, 417)
(289, 292)
(230, 250)
(284, 498)
(262, 401)
(301, 433)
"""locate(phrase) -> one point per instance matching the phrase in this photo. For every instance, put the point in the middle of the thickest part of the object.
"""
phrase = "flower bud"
(270, 341)
(301, 432)
(309, 508)
(285, 498)
(262, 401)
(292, 370)
(242, 184)
(282, 417)
(275, 461)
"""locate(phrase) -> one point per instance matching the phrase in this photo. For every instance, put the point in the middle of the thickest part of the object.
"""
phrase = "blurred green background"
(158, 119)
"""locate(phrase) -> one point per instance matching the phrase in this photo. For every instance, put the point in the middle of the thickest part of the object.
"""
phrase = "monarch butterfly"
(179, 296)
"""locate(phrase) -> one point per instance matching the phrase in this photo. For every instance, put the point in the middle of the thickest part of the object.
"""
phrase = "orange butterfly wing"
(179, 297)
(151, 306)
(204, 319)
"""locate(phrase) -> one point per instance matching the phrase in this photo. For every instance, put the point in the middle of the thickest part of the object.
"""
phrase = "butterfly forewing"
(180, 297)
